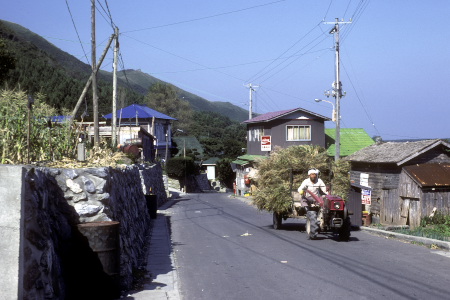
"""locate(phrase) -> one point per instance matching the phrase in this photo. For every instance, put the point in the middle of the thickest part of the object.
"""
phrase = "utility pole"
(88, 83)
(337, 88)
(94, 76)
(250, 107)
(114, 104)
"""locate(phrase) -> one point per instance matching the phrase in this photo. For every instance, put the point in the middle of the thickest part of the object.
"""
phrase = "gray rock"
(87, 210)
(80, 197)
(70, 173)
(73, 186)
(89, 185)
(99, 172)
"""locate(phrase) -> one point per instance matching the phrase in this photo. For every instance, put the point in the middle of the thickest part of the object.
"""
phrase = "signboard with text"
(266, 143)
(366, 196)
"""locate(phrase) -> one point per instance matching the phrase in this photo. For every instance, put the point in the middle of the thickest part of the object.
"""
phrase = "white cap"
(313, 171)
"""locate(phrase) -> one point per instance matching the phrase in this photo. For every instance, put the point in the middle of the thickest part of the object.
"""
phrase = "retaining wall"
(44, 254)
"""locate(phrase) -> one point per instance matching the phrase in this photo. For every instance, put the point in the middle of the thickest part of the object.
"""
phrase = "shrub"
(179, 167)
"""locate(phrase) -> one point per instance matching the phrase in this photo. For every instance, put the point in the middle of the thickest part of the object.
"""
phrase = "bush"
(225, 173)
(180, 167)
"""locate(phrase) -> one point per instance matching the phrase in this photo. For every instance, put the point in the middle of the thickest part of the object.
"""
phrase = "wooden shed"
(422, 190)
(375, 176)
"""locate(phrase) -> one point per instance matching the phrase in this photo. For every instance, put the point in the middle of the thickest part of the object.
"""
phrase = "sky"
(394, 54)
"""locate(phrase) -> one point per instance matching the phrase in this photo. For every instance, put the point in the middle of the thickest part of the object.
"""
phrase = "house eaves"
(394, 152)
(270, 116)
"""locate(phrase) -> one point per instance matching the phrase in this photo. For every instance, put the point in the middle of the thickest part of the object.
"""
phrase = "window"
(298, 133)
(254, 134)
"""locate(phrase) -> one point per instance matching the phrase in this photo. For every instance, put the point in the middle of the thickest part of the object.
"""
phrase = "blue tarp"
(60, 119)
(138, 111)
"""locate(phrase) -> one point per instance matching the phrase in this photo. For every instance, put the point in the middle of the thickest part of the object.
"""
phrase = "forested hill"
(42, 67)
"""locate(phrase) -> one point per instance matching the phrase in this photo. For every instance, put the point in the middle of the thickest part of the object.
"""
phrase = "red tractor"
(325, 214)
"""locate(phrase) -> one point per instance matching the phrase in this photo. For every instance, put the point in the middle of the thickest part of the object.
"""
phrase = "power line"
(328, 9)
(207, 17)
(359, 99)
(184, 58)
(254, 77)
(293, 60)
(78, 35)
(108, 13)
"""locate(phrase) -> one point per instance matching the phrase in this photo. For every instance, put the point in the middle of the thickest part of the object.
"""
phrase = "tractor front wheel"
(312, 225)
(344, 231)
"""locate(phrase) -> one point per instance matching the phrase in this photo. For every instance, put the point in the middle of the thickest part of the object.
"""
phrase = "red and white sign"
(366, 196)
(266, 143)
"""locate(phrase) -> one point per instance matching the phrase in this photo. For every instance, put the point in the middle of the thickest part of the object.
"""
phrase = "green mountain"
(42, 67)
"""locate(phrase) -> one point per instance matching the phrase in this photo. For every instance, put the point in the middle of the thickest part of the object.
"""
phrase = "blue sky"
(395, 55)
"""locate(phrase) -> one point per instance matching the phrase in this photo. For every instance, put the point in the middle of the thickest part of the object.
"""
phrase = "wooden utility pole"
(94, 75)
(88, 83)
(114, 104)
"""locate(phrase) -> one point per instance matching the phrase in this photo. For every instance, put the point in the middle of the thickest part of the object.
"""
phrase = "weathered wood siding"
(390, 208)
(381, 177)
(408, 188)
(439, 198)
(417, 203)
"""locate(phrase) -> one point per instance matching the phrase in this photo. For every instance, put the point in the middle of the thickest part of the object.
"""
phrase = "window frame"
(308, 127)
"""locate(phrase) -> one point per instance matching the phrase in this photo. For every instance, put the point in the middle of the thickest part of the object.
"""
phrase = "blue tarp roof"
(60, 119)
(139, 111)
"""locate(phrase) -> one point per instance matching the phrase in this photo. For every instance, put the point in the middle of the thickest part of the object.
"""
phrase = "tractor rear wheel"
(276, 220)
(312, 225)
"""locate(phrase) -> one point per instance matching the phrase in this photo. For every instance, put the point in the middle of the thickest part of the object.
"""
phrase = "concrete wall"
(11, 235)
(45, 255)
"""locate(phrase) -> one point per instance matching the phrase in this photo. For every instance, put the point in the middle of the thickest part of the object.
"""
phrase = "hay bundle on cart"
(274, 187)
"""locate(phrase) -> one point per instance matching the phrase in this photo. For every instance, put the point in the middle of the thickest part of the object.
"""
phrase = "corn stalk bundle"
(273, 191)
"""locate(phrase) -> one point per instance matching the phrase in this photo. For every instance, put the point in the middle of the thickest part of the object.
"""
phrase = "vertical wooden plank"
(414, 213)
(404, 211)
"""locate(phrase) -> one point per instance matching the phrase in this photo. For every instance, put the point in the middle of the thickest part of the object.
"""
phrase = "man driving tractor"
(314, 184)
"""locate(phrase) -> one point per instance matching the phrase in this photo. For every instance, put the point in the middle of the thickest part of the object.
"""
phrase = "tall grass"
(48, 141)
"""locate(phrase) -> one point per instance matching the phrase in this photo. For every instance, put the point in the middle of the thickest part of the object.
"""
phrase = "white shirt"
(314, 188)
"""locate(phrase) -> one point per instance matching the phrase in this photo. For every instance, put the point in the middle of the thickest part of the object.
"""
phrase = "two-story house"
(283, 128)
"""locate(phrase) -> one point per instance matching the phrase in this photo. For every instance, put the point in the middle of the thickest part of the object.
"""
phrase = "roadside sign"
(366, 197)
(266, 143)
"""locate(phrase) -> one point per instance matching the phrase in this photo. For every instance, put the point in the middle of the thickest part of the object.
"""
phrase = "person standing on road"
(313, 184)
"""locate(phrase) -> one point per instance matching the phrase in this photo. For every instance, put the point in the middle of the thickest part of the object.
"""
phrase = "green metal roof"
(352, 140)
(240, 162)
(211, 161)
(251, 157)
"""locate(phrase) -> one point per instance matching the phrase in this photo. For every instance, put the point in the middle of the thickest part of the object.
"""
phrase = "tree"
(163, 98)
(7, 61)
(224, 172)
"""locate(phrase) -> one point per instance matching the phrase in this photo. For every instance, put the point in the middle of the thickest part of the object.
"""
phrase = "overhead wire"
(256, 76)
(298, 57)
(76, 30)
(181, 57)
(328, 9)
(206, 17)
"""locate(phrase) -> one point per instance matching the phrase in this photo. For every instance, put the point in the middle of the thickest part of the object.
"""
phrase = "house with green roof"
(245, 172)
(352, 140)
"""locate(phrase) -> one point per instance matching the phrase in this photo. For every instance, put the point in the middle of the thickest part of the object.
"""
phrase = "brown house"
(379, 182)
(284, 128)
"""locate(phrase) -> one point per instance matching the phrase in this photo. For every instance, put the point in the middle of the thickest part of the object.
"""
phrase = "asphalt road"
(227, 249)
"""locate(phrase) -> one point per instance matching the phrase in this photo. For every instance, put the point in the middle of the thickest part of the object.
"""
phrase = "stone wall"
(58, 262)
